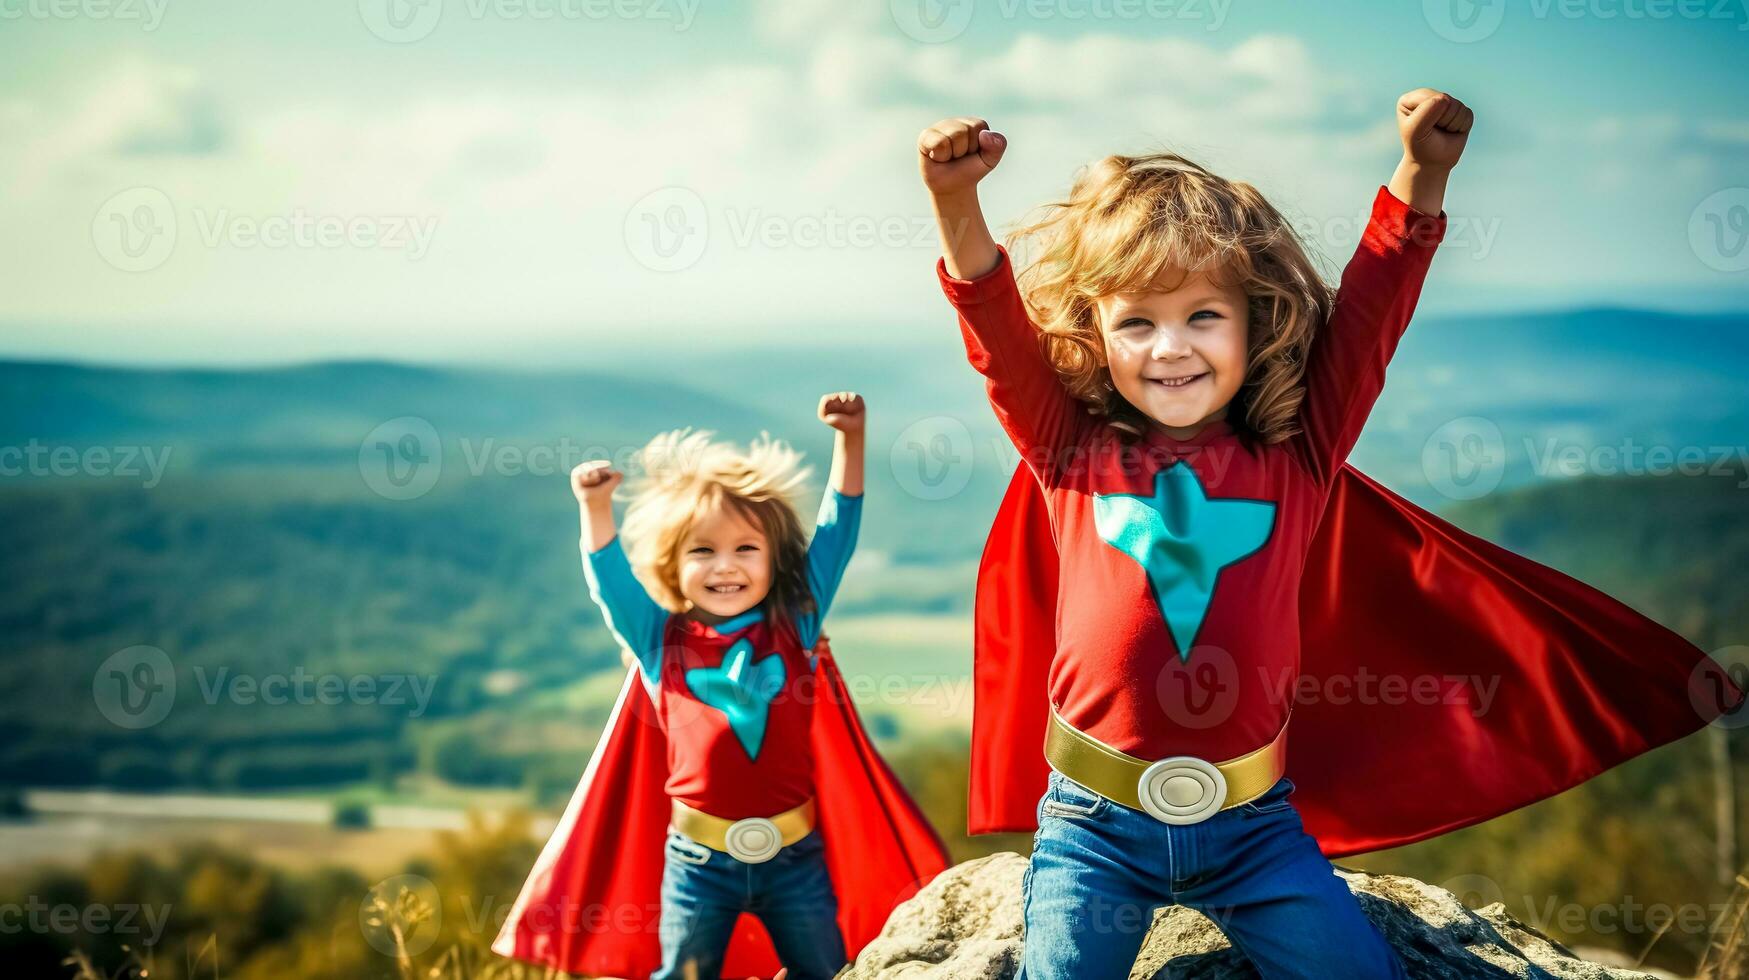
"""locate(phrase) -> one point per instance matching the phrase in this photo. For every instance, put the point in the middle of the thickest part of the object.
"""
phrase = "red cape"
(1584, 682)
(592, 903)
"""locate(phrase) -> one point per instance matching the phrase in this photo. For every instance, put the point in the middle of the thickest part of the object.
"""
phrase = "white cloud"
(1264, 78)
(1725, 131)
(532, 182)
(529, 186)
(799, 21)
(136, 107)
(1642, 131)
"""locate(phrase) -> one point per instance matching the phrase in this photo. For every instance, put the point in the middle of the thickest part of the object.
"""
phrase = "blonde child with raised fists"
(734, 780)
(741, 593)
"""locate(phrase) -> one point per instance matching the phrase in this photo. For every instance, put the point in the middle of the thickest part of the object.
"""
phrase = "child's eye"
(748, 547)
(1214, 313)
(700, 550)
(1134, 321)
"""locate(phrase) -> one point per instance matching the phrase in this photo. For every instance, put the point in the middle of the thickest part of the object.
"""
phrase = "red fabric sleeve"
(1345, 370)
(1002, 344)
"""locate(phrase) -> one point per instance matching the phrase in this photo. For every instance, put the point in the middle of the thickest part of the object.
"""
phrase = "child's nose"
(1169, 344)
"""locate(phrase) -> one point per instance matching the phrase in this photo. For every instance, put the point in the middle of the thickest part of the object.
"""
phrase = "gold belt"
(1181, 789)
(752, 839)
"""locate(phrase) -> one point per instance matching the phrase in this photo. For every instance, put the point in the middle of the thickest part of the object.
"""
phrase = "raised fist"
(1435, 126)
(595, 481)
(956, 153)
(843, 410)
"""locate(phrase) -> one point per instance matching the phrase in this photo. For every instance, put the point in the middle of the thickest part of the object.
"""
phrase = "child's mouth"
(725, 589)
(1179, 382)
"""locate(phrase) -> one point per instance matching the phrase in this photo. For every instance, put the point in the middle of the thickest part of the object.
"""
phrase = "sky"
(540, 182)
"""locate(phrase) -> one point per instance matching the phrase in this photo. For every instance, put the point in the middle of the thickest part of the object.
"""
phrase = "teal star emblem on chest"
(1182, 538)
(741, 688)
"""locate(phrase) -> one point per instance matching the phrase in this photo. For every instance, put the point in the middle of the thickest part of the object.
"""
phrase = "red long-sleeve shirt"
(1178, 610)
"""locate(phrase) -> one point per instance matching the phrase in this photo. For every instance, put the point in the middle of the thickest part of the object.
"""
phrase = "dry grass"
(1727, 954)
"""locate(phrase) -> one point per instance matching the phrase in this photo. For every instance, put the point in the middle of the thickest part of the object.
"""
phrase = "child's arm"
(845, 412)
(634, 618)
(840, 510)
(956, 154)
(1345, 371)
(1002, 343)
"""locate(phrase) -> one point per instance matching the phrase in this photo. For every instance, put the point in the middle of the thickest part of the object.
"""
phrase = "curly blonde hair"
(686, 476)
(1126, 221)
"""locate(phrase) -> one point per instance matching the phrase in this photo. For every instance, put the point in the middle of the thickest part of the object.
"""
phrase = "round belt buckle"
(753, 840)
(1181, 790)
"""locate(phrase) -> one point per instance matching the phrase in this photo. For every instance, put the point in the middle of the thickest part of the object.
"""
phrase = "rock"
(967, 923)
(1615, 957)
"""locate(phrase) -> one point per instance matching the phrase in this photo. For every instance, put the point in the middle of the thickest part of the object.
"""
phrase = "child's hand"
(1434, 127)
(595, 481)
(954, 154)
(843, 410)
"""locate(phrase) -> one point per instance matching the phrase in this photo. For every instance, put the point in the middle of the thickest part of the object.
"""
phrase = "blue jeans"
(1099, 870)
(705, 891)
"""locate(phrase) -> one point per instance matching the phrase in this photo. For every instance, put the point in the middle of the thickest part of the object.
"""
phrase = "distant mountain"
(290, 531)
(1549, 385)
(1607, 377)
(1658, 341)
(1557, 395)
(261, 415)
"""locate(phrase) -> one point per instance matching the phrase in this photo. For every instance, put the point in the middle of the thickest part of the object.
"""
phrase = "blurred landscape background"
(308, 311)
(280, 539)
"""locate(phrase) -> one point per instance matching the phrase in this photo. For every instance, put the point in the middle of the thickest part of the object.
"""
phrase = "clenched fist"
(954, 154)
(843, 410)
(1435, 126)
(595, 481)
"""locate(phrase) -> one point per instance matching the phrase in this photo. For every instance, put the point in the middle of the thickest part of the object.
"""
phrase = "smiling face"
(725, 564)
(1177, 352)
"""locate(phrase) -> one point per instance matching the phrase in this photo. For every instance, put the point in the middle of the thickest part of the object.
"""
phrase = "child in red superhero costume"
(1184, 391)
(736, 735)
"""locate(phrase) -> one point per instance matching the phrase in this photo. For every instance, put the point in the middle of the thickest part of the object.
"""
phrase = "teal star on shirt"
(741, 688)
(1182, 539)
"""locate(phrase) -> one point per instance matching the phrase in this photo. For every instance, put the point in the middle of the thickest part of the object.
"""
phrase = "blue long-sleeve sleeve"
(635, 619)
(828, 554)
